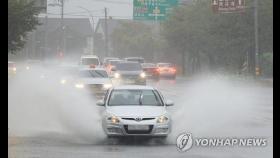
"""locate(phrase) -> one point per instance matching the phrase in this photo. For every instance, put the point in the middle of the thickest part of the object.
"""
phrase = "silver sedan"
(132, 110)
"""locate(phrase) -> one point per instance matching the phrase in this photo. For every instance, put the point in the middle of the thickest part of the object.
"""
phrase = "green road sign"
(152, 9)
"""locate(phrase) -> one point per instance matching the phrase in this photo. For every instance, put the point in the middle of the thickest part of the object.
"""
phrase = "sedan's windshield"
(93, 73)
(134, 98)
(114, 62)
(128, 67)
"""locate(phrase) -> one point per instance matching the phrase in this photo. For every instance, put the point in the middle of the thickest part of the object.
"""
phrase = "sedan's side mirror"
(100, 103)
(169, 103)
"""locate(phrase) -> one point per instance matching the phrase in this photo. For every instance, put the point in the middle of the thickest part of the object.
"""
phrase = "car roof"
(111, 58)
(134, 87)
(134, 58)
(128, 62)
(89, 56)
(163, 63)
(115, 60)
(148, 64)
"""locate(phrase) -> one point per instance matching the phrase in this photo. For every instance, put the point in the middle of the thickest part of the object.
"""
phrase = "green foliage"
(21, 19)
(196, 31)
(132, 38)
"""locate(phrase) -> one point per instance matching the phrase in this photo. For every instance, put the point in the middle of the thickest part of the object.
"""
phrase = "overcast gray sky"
(73, 8)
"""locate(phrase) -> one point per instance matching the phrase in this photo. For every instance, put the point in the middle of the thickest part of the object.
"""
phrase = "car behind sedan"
(135, 111)
(95, 80)
(167, 70)
(151, 70)
(129, 73)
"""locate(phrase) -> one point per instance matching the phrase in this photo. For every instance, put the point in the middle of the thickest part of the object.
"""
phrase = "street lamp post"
(92, 26)
(257, 64)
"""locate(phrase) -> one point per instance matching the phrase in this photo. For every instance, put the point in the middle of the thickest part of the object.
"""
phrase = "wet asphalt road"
(205, 108)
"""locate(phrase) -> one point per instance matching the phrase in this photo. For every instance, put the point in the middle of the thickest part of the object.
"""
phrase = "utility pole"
(62, 27)
(92, 52)
(257, 65)
(46, 38)
(156, 34)
(106, 34)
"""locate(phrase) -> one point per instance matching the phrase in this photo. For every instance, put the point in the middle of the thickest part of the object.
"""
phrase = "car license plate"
(138, 127)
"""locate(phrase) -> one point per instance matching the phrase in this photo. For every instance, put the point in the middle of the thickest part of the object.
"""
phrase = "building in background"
(44, 42)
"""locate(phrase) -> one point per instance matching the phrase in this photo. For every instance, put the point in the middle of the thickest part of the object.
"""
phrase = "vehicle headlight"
(14, 69)
(63, 81)
(142, 75)
(117, 75)
(27, 67)
(107, 86)
(162, 119)
(79, 85)
(113, 119)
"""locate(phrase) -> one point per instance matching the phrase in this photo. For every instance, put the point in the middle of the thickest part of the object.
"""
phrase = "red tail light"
(173, 69)
(158, 69)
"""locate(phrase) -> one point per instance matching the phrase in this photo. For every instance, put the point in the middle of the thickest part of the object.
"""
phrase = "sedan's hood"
(136, 111)
(95, 80)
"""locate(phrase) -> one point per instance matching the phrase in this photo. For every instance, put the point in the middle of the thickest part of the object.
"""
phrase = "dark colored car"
(129, 73)
(151, 70)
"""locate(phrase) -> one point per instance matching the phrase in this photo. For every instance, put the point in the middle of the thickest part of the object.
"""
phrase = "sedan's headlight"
(79, 85)
(113, 119)
(14, 69)
(162, 119)
(107, 86)
(27, 67)
(142, 75)
(117, 75)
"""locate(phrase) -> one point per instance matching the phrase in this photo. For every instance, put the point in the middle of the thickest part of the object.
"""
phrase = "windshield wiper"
(140, 98)
(100, 74)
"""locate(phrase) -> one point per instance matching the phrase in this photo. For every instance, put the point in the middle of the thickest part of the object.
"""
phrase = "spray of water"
(207, 106)
(39, 104)
(216, 106)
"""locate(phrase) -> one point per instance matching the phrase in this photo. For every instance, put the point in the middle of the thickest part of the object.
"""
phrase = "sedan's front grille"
(130, 76)
(143, 119)
(138, 131)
